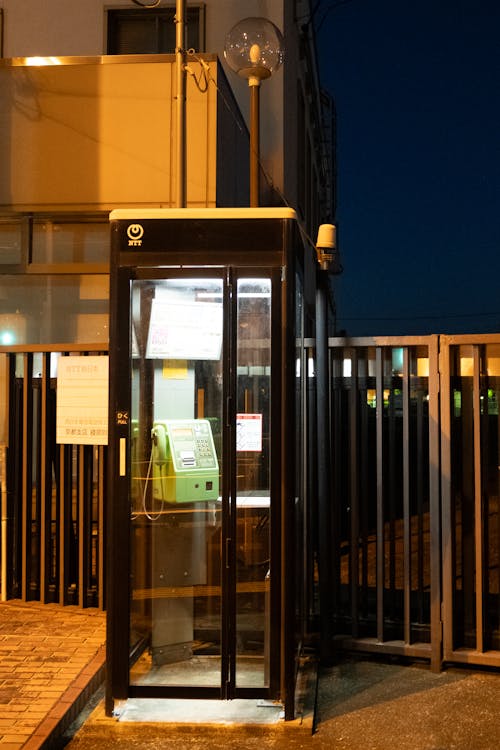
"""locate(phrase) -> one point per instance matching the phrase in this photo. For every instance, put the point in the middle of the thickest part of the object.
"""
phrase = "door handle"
(123, 457)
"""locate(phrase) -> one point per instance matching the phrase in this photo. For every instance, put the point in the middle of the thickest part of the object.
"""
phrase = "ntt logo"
(134, 234)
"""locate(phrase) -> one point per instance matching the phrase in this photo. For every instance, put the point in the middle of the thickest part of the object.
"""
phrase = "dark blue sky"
(416, 85)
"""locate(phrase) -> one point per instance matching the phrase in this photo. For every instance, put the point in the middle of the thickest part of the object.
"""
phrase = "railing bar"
(379, 363)
(337, 387)
(26, 492)
(391, 500)
(14, 453)
(82, 571)
(364, 473)
(65, 518)
(406, 497)
(464, 522)
(419, 473)
(62, 523)
(101, 530)
(435, 501)
(44, 501)
(6, 523)
(354, 495)
(309, 451)
(478, 510)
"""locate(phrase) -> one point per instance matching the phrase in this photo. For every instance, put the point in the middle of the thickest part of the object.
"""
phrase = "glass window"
(11, 241)
(70, 242)
(138, 32)
(53, 309)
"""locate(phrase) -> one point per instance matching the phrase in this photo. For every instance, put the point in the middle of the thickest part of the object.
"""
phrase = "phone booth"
(206, 453)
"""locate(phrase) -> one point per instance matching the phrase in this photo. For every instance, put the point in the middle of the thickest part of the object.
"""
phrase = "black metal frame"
(237, 249)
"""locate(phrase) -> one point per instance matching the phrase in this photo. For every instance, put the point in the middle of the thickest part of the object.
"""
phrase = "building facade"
(88, 124)
(296, 126)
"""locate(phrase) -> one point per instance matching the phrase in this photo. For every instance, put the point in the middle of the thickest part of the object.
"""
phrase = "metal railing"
(470, 494)
(415, 436)
(53, 548)
(415, 449)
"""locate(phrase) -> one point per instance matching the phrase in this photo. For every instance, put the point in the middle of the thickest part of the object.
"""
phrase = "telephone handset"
(159, 449)
(185, 466)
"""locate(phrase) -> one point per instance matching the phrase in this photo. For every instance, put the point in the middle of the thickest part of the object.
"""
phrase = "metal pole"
(180, 59)
(326, 582)
(254, 84)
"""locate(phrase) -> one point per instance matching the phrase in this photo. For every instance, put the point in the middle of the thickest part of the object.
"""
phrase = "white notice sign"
(82, 400)
(249, 432)
(187, 330)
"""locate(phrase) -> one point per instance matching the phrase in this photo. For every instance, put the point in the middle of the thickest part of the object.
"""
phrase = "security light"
(326, 249)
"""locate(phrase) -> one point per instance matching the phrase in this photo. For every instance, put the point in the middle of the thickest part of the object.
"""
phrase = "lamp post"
(254, 49)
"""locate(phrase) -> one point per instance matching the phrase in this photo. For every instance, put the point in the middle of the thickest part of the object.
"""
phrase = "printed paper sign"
(185, 331)
(82, 400)
(249, 432)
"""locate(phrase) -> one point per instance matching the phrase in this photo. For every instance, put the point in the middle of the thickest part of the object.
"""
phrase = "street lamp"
(254, 49)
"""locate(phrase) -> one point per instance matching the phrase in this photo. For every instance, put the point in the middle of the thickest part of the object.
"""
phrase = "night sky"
(416, 85)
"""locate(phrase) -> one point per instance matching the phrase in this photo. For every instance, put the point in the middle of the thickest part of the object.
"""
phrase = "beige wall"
(97, 136)
(78, 27)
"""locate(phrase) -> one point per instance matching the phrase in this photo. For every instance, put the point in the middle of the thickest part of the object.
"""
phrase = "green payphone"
(185, 466)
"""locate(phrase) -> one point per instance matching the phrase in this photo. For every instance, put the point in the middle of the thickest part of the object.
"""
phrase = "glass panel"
(151, 32)
(175, 480)
(11, 232)
(253, 481)
(53, 309)
(70, 242)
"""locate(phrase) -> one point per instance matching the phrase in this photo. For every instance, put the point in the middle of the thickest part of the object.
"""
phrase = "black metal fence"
(53, 508)
(415, 436)
(415, 454)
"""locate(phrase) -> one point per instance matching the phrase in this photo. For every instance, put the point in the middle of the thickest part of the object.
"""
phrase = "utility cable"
(148, 513)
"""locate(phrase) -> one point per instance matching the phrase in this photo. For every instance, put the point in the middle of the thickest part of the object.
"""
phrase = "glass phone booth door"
(200, 483)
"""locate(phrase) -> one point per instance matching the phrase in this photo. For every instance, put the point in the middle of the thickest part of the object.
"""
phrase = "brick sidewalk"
(51, 661)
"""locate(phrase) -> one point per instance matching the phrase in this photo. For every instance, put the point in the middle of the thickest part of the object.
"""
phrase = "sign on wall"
(249, 432)
(82, 400)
